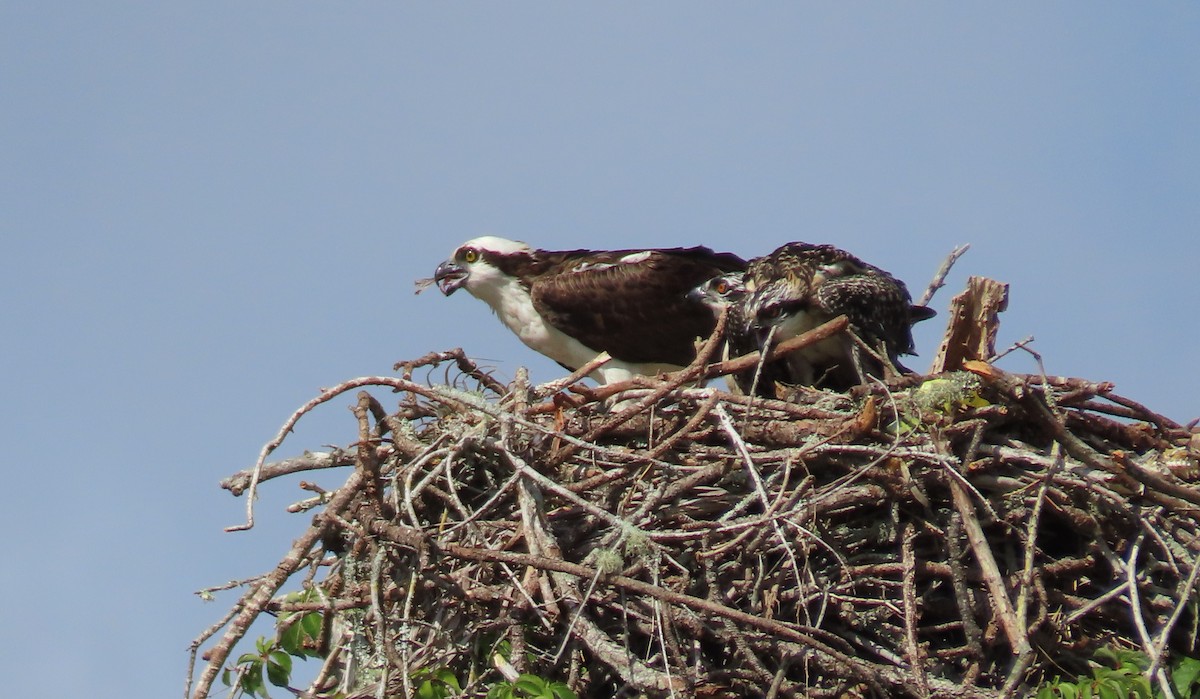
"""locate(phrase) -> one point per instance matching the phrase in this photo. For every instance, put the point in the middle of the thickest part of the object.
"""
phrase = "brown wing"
(878, 307)
(630, 303)
(877, 304)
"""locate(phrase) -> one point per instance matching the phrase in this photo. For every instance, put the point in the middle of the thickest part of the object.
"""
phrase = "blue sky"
(208, 211)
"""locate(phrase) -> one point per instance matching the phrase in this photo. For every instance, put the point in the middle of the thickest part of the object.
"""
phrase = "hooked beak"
(449, 277)
(697, 295)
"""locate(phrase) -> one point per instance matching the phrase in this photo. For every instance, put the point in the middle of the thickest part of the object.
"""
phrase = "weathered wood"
(973, 324)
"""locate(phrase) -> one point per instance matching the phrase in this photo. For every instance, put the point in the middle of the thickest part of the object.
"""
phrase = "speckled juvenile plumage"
(801, 285)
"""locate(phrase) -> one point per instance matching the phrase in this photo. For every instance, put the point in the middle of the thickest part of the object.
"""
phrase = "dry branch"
(971, 328)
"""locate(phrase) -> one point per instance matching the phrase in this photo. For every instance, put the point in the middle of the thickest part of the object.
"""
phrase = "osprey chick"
(727, 293)
(802, 285)
(572, 305)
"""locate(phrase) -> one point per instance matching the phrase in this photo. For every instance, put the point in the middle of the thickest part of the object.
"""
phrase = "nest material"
(967, 534)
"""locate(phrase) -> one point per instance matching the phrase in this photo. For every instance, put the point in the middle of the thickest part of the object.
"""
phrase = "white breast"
(514, 307)
(801, 322)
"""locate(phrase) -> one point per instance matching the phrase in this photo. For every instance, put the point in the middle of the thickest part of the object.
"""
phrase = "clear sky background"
(210, 210)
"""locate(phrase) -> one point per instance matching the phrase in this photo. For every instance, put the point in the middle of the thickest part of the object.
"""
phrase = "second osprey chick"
(802, 285)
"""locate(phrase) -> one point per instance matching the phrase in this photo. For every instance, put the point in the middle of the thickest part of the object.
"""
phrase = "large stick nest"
(964, 534)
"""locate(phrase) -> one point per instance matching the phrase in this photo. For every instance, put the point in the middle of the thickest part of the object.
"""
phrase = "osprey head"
(781, 308)
(719, 292)
(473, 264)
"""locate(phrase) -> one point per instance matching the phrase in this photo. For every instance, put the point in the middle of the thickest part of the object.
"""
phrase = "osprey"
(727, 293)
(572, 305)
(802, 285)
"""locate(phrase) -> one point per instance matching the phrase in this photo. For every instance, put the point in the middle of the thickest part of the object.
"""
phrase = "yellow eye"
(722, 286)
(470, 255)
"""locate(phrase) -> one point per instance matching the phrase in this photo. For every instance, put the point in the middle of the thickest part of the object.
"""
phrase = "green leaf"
(252, 682)
(311, 623)
(300, 635)
(282, 659)
(291, 638)
(278, 674)
(1185, 676)
(530, 684)
(562, 691)
(425, 690)
(975, 400)
(447, 677)
(1135, 661)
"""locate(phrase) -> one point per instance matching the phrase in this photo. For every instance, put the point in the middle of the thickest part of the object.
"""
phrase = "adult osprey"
(572, 305)
(802, 285)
